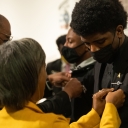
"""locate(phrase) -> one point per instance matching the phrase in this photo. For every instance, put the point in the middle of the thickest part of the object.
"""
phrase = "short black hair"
(97, 16)
(20, 65)
(61, 40)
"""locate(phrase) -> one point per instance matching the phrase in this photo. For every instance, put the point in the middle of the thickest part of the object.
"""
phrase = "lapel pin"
(118, 75)
(117, 83)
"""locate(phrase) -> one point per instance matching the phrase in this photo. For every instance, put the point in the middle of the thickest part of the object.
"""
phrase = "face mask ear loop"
(113, 38)
(78, 46)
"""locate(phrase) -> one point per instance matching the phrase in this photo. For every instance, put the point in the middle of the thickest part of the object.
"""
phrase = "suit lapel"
(96, 76)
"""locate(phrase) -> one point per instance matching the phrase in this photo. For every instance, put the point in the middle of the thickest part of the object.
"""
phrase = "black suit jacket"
(60, 103)
(106, 74)
(83, 104)
(54, 66)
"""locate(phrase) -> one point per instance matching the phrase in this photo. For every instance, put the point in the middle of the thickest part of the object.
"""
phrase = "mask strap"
(78, 46)
(113, 38)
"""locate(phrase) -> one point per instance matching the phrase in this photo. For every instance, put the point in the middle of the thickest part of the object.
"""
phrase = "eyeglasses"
(8, 36)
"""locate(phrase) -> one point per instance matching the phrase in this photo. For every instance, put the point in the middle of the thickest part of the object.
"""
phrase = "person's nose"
(94, 48)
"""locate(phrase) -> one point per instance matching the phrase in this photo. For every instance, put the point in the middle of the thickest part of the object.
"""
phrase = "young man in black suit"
(101, 24)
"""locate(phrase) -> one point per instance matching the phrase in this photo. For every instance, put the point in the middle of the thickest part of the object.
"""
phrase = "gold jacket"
(33, 117)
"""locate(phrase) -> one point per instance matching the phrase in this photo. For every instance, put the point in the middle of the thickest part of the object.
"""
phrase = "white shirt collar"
(85, 63)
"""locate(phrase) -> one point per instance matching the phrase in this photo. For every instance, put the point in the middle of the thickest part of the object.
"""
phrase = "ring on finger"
(100, 90)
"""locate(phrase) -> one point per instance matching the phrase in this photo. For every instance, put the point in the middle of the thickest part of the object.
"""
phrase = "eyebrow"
(95, 40)
(100, 39)
(69, 37)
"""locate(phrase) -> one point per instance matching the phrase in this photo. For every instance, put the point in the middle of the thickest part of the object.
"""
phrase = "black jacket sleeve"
(58, 104)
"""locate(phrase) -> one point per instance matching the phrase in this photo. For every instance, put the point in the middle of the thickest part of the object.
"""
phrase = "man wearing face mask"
(76, 52)
(101, 24)
(58, 65)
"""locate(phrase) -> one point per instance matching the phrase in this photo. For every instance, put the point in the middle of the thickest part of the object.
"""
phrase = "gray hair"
(20, 65)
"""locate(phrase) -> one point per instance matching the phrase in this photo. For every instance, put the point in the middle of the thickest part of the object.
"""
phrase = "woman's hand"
(116, 97)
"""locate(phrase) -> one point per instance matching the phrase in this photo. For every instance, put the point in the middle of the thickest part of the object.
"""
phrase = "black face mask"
(106, 54)
(70, 54)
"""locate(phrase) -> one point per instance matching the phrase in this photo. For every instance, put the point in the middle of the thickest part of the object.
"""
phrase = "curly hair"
(92, 16)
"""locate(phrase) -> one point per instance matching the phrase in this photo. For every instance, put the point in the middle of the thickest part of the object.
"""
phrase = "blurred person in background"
(59, 65)
(5, 30)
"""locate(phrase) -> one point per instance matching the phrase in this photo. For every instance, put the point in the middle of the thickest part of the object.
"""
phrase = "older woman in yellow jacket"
(22, 83)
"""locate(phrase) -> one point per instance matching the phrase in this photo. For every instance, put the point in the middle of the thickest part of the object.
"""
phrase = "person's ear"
(120, 31)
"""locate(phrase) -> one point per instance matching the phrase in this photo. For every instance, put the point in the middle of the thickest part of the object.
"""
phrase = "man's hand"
(73, 88)
(99, 100)
(59, 79)
(116, 97)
